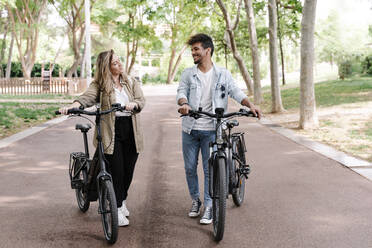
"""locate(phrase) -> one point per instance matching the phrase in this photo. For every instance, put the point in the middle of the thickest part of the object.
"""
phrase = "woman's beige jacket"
(94, 95)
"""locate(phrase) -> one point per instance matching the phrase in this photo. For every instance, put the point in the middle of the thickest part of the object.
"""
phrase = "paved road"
(294, 198)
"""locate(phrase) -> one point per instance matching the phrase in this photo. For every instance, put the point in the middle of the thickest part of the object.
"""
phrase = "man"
(207, 86)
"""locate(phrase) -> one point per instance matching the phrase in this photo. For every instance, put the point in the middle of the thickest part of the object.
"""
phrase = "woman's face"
(116, 67)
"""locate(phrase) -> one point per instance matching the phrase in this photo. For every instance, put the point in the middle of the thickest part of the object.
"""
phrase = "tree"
(230, 27)
(127, 20)
(72, 11)
(276, 105)
(25, 17)
(254, 50)
(183, 17)
(288, 14)
(308, 117)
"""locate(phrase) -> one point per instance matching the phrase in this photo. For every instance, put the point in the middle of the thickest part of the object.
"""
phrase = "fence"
(35, 86)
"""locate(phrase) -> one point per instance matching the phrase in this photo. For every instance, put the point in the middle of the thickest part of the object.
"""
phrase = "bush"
(344, 69)
(159, 79)
(16, 70)
(367, 65)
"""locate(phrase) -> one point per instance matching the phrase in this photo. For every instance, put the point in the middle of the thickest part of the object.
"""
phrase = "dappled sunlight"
(22, 200)
(332, 223)
(172, 121)
(35, 168)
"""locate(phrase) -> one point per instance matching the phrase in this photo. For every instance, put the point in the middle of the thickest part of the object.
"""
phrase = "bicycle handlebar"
(84, 112)
(242, 112)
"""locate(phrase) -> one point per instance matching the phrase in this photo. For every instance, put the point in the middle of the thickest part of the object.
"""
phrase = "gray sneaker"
(207, 216)
(195, 208)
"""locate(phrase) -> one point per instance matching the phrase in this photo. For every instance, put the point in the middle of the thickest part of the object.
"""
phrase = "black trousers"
(123, 160)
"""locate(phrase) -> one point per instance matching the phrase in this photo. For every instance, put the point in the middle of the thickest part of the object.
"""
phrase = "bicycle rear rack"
(76, 159)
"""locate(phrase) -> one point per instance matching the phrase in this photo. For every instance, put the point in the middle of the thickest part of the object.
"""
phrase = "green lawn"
(15, 116)
(327, 93)
(41, 96)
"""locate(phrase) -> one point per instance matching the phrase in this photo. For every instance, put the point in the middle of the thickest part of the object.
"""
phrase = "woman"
(121, 134)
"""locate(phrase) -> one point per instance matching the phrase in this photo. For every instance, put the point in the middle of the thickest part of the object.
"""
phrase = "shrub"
(367, 65)
(344, 69)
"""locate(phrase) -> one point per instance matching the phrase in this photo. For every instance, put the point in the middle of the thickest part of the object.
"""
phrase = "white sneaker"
(207, 216)
(124, 209)
(122, 220)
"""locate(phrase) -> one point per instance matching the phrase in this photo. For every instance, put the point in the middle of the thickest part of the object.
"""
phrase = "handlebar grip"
(57, 112)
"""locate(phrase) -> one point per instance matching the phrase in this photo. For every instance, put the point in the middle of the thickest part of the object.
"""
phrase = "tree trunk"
(170, 66)
(280, 44)
(3, 43)
(308, 117)
(9, 65)
(178, 61)
(236, 54)
(254, 50)
(133, 56)
(276, 105)
(82, 64)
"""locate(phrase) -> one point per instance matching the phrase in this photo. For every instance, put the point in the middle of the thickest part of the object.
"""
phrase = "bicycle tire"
(239, 192)
(219, 199)
(109, 211)
(81, 192)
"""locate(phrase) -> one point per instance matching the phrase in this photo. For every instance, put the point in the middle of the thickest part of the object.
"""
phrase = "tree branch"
(237, 16)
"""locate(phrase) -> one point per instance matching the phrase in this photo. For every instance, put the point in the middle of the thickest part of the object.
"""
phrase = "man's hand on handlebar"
(64, 110)
(184, 109)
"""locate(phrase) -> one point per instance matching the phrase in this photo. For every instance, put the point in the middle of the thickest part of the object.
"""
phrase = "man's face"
(199, 54)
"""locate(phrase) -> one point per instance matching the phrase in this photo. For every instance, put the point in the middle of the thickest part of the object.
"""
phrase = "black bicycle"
(90, 178)
(227, 165)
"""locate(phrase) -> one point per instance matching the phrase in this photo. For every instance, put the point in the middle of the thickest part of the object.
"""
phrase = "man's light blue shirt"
(223, 85)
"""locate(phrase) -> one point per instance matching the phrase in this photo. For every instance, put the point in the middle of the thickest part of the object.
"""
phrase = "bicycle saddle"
(232, 123)
(83, 127)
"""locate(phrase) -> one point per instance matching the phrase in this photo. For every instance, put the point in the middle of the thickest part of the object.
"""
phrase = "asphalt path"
(294, 197)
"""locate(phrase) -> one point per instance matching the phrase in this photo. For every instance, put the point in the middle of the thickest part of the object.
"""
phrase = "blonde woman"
(121, 132)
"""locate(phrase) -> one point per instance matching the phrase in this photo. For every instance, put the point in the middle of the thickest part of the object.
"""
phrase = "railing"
(35, 86)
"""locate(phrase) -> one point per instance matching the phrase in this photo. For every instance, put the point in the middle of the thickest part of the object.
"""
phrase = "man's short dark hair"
(204, 39)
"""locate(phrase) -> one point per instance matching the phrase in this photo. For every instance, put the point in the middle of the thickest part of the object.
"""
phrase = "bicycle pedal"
(245, 170)
(77, 183)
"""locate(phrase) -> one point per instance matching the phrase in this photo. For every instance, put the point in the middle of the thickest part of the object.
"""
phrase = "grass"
(41, 96)
(16, 116)
(344, 109)
(329, 93)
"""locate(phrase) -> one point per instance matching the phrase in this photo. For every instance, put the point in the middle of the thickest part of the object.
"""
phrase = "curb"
(23, 134)
(362, 167)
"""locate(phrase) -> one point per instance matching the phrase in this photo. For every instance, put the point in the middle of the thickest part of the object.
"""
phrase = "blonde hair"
(103, 74)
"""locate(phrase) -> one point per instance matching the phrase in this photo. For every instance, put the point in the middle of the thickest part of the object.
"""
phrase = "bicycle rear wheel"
(109, 211)
(219, 198)
(239, 191)
(81, 191)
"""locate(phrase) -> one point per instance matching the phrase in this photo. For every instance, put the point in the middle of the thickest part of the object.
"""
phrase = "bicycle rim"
(109, 212)
(219, 199)
(81, 193)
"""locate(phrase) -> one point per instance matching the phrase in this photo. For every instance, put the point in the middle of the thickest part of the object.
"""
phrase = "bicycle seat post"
(86, 143)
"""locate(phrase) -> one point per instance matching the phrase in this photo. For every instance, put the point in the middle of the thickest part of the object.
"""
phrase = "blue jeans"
(191, 144)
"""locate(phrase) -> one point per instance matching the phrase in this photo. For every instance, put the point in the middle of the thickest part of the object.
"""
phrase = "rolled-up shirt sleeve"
(183, 87)
(234, 91)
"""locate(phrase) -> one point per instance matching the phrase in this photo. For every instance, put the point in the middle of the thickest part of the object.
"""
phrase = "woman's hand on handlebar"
(65, 109)
(131, 106)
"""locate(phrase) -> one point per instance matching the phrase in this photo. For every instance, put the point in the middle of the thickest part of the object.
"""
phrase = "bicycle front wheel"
(109, 211)
(219, 198)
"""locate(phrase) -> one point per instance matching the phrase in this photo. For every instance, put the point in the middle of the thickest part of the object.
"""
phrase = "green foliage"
(367, 65)
(344, 69)
(159, 79)
(328, 93)
(16, 70)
